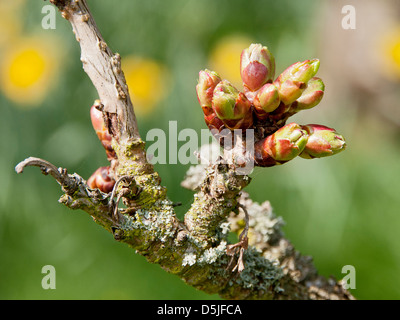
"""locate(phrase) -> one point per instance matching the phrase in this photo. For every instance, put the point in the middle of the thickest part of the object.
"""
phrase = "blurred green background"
(342, 210)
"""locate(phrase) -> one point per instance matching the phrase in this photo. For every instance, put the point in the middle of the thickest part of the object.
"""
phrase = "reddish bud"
(311, 96)
(232, 106)
(102, 132)
(282, 146)
(205, 87)
(266, 100)
(257, 66)
(322, 142)
(102, 180)
(293, 81)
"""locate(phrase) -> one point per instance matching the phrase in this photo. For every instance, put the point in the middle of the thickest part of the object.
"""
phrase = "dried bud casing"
(282, 146)
(293, 81)
(96, 117)
(212, 121)
(266, 100)
(102, 180)
(232, 106)
(257, 67)
(322, 142)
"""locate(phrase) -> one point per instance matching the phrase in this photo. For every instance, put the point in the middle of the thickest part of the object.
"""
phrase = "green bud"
(282, 146)
(231, 106)
(322, 142)
(257, 66)
(288, 142)
(311, 96)
(205, 87)
(293, 81)
(266, 100)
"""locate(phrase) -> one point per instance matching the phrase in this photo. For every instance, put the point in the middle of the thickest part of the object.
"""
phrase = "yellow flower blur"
(390, 45)
(148, 82)
(225, 58)
(28, 69)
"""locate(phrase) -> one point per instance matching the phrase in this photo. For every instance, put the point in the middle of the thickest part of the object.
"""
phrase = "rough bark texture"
(194, 249)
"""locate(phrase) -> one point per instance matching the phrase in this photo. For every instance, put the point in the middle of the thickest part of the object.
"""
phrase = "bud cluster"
(265, 105)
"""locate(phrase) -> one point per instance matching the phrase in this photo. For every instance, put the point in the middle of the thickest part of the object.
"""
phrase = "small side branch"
(77, 194)
(46, 167)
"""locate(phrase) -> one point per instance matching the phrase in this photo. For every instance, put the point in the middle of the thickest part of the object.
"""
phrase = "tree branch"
(195, 249)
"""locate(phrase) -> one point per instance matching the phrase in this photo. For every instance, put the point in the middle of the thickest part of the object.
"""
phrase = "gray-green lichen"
(213, 254)
(225, 227)
(259, 279)
(158, 223)
(189, 259)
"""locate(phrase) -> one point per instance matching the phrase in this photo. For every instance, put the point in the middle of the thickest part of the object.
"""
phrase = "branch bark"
(194, 249)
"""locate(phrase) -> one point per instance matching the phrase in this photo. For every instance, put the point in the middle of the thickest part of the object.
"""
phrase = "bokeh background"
(342, 210)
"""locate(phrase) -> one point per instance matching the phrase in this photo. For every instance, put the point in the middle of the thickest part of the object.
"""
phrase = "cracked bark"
(193, 249)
